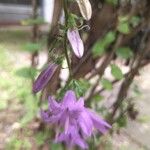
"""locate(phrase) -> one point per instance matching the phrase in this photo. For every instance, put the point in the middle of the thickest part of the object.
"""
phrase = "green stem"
(65, 3)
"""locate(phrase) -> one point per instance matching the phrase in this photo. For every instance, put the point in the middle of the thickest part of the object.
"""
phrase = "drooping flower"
(85, 8)
(75, 42)
(44, 77)
(75, 119)
(72, 138)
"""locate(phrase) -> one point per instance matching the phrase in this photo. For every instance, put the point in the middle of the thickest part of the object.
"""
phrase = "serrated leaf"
(124, 52)
(116, 72)
(72, 21)
(123, 27)
(106, 84)
(80, 87)
(26, 72)
(101, 45)
(32, 47)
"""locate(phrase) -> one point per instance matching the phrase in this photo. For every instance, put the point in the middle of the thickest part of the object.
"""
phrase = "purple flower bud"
(44, 77)
(76, 42)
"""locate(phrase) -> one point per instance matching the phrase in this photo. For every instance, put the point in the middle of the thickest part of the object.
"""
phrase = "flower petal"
(44, 77)
(98, 122)
(48, 118)
(72, 138)
(85, 124)
(76, 42)
(53, 105)
(69, 99)
(80, 142)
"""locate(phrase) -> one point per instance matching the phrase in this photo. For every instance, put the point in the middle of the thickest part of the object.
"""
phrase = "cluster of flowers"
(74, 122)
(70, 114)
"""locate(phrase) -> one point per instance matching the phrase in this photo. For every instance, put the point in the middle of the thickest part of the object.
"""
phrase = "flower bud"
(76, 42)
(85, 8)
(44, 78)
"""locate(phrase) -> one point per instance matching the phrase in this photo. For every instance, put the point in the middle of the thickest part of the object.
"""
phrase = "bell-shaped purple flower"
(44, 77)
(75, 42)
(76, 120)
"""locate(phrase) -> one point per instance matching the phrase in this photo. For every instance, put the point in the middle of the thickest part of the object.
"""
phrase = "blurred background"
(25, 29)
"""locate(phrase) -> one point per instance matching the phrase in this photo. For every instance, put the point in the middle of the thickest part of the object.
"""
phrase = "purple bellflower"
(44, 78)
(75, 42)
(77, 121)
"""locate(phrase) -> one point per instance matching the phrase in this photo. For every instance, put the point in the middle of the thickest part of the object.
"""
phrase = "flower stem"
(65, 4)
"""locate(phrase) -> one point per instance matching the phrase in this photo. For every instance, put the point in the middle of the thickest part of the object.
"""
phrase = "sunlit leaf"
(101, 45)
(106, 84)
(135, 20)
(123, 27)
(116, 72)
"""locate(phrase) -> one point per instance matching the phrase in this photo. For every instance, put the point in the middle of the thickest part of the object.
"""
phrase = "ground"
(16, 110)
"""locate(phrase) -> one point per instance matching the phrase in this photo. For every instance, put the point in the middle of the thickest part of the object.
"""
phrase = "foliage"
(124, 52)
(101, 45)
(106, 84)
(116, 72)
(17, 144)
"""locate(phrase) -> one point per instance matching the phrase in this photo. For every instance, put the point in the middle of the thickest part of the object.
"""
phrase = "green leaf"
(106, 84)
(32, 47)
(122, 121)
(72, 20)
(27, 72)
(41, 137)
(56, 146)
(80, 87)
(124, 52)
(109, 38)
(135, 20)
(98, 48)
(101, 45)
(112, 2)
(123, 19)
(123, 27)
(116, 72)
(98, 97)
